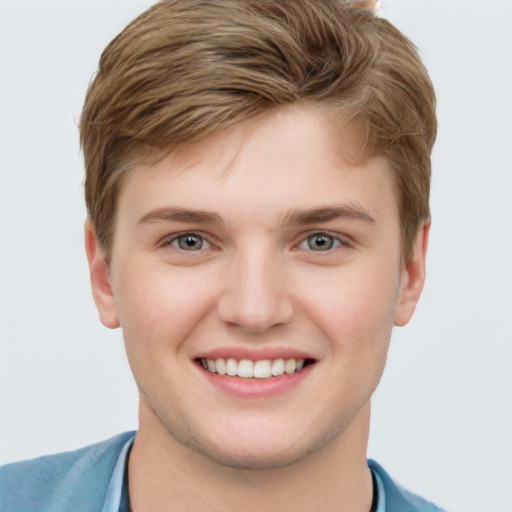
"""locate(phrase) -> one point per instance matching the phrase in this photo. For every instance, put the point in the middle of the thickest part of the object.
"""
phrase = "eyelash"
(305, 244)
(175, 241)
(336, 242)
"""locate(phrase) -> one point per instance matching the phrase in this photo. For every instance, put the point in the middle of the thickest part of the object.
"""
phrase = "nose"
(255, 295)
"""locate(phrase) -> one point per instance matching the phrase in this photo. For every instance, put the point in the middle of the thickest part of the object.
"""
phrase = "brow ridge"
(295, 217)
(315, 215)
(180, 214)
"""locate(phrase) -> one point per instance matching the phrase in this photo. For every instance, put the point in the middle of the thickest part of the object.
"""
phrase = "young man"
(257, 182)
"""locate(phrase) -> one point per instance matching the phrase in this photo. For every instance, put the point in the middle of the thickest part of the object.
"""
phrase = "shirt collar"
(381, 502)
(115, 486)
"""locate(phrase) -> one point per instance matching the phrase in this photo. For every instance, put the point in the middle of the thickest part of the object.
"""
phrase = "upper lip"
(255, 354)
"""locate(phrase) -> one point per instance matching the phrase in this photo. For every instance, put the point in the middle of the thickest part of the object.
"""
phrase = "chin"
(252, 458)
(254, 448)
(251, 440)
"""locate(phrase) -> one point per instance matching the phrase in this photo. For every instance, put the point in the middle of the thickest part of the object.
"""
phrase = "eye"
(190, 242)
(320, 242)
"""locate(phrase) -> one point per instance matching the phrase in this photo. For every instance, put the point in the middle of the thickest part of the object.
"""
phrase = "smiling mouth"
(261, 369)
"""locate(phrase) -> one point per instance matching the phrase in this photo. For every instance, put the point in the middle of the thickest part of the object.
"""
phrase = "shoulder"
(76, 481)
(399, 499)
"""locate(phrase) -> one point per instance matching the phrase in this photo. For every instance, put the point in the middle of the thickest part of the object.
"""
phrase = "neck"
(164, 473)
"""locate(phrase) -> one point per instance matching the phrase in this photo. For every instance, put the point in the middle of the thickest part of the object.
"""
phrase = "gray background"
(442, 421)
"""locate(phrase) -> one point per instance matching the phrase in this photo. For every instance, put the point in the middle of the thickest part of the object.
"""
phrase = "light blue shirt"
(91, 479)
(115, 486)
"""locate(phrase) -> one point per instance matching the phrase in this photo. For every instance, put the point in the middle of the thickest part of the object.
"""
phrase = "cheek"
(160, 305)
(355, 306)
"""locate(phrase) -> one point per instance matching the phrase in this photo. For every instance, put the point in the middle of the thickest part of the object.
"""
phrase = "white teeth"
(245, 368)
(289, 366)
(231, 367)
(220, 366)
(277, 367)
(262, 369)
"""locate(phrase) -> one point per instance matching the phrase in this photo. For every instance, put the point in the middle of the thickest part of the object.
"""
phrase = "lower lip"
(256, 388)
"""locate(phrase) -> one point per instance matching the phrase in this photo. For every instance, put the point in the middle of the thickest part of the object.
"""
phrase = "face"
(257, 278)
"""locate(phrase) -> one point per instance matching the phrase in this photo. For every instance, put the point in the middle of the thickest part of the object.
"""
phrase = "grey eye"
(189, 242)
(320, 242)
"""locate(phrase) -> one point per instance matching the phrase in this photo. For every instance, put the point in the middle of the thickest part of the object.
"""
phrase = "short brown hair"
(186, 69)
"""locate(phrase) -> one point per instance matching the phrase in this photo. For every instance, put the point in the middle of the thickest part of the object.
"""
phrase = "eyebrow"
(295, 217)
(181, 215)
(304, 216)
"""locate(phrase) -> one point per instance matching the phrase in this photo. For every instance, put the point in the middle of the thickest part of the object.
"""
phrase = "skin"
(258, 283)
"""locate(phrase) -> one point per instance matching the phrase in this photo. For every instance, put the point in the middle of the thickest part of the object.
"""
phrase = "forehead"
(293, 132)
(284, 159)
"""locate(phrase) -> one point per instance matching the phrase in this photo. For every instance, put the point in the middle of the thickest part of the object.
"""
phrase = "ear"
(100, 278)
(412, 278)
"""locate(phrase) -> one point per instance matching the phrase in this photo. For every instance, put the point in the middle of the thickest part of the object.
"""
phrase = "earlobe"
(100, 278)
(412, 278)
